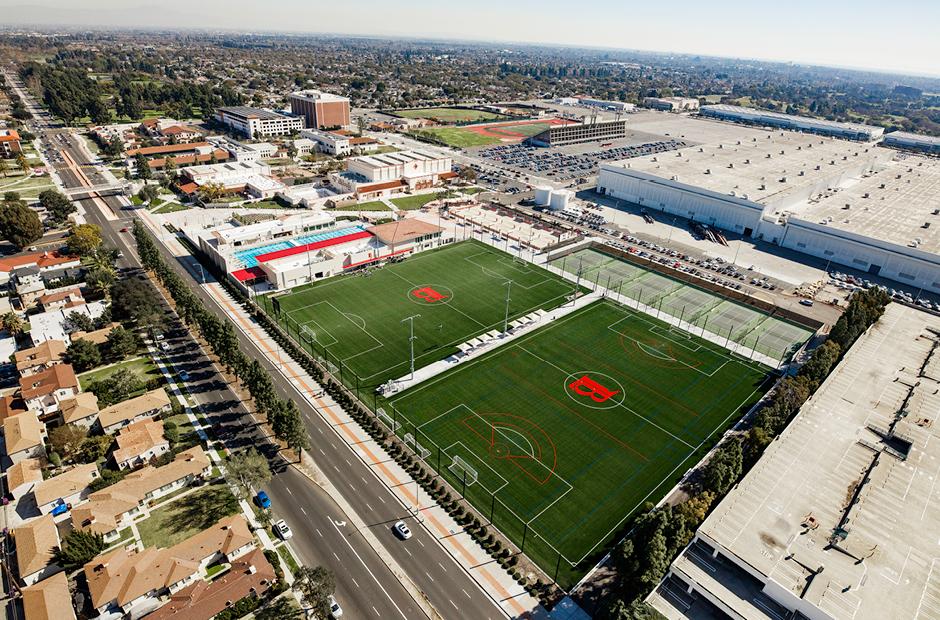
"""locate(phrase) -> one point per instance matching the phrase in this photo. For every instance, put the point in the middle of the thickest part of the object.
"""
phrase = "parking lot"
(563, 166)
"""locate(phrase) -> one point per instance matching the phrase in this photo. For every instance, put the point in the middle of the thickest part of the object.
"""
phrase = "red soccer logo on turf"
(428, 294)
(586, 386)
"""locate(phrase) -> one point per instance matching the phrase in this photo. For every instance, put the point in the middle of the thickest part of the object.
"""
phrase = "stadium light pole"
(411, 339)
(506, 318)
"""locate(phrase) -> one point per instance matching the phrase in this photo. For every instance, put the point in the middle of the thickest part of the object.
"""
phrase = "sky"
(898, 36)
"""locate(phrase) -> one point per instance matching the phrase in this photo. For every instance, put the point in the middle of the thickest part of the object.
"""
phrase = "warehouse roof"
(769, 167)
(841, 510)
(899, 202)
(756, 115)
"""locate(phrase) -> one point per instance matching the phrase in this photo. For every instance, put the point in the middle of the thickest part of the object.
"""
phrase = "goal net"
(422, 452)
(387, 419)
(460, 468)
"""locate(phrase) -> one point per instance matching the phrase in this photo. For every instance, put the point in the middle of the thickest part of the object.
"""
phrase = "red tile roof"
(168, 148)
(40, 259)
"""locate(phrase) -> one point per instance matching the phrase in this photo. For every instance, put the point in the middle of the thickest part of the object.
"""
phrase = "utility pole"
(411, 339)
(506, 319)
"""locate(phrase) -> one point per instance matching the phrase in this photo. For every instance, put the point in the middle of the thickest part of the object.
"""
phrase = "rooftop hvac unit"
(847, 207)
(866, 195)
(783, 179)
(926, 225)
(708, 171)
(762, 186)
(768, 155)
(747, 161)
(782, 152)
(731, 165)
(802, 172)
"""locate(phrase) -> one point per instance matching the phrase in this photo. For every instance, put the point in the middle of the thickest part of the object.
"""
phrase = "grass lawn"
(170, 207)
(370, 339)
(575, 426)
(28, 188)
(449, 115)
(375, 205)
(455, 136)
(409, 203)
(181, 519)
(471, 190)
(284, 552)
(265, 204)
(143, 367)
(385, 148)
(137, 200)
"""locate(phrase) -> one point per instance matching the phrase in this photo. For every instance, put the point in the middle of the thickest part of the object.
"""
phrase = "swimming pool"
(248, 258)
(329, 234)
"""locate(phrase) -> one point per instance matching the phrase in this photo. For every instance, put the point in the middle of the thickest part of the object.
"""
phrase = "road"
(366, 588)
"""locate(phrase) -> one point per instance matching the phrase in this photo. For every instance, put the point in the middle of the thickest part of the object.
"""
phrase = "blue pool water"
(249, 257)
(330, 234)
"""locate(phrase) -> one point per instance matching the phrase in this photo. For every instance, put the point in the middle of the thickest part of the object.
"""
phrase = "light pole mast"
(411, 339)
(506, 319)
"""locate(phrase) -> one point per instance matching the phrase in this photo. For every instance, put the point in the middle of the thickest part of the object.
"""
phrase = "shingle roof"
(48, 381)
(82, 406)
(49, 599)
(403, 230)
(48, 351)
(35, 542)
(135, 439)
(130, 409)
(22, 432)
(23, 472)
(123, 576)
(65, 484)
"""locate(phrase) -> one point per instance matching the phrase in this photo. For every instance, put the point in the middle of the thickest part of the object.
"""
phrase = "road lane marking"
(369, 507)
(454, 604)
(442, 567)
(321, 536)
(371, 574)
(289, 491)
(303, 511)
(429, 575)
(466, 594)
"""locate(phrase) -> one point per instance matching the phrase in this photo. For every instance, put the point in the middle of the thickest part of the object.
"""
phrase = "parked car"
(282, 529)
(401, 530)
(806, 302)
(263, 500)
(335, 610)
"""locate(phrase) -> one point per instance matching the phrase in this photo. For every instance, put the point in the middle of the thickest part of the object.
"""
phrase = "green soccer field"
(563, 433)
(450, 115)
(461, 137)
(459, 291)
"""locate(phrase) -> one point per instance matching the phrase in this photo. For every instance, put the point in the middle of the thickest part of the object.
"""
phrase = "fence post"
(525, 530)
(463, 491)
(557, 566)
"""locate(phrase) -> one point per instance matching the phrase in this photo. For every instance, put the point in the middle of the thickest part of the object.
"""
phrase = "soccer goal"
(422, 452)
(461, 468)
(387, 419)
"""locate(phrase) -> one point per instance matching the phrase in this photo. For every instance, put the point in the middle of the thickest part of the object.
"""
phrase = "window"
(829, 253)
(859, 261)
(906, 276)
(801, 245)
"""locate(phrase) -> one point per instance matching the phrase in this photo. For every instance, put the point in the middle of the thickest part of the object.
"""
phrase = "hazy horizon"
(847, 35)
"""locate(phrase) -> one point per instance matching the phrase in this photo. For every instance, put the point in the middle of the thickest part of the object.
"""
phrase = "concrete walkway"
(494, 580)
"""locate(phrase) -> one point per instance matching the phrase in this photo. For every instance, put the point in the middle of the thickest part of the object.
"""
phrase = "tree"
(248, 470)
(148, 193)
(57, 205)
(19, 224)
(467, 174)
(12, 323)
(169, 169)
(84, 240)
(115, 388)
(3, 167)
(22, 163)
(295, 434)
(724, 468)
(315, 586)
(94, 448)
(143, 167)
(78, 548)
(133, 300)
(171, 432)
(100, 280)
(66, 440)
(83, 355)
(79, 322)
(281, 608)
(121, 343)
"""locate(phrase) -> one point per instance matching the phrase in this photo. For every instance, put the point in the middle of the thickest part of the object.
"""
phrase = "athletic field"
(489, 133)
(566, 431)
(456, 293)
(449, 115)
(745, 325)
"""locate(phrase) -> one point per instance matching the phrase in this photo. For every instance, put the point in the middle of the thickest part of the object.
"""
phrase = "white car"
(401, 530)
(335, 610)
(282, 529)
(164, 346)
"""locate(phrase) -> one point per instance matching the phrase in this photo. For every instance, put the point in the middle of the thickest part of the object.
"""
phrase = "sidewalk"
(502, 588)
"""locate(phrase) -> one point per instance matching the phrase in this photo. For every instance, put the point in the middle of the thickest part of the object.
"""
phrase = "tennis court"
(735, 322)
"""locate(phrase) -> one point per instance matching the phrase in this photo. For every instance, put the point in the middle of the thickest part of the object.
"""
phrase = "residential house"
(250, 574)
(61, 299)
(81, 410)
(9, 143)
(48, 263)
(36, 541)
(29, 284)
(41, 357)
(180, 134)
(23, 476)
(99, 336)
(49, 599)
(11, 405)
(139, 442)
(148, 405)
(55, 325)
(68, 489)
(43, 391)
(125, 580)
(23, 435)
(109, 510)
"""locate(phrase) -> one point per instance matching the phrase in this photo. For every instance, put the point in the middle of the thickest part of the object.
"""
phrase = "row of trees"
(21, 226)
(658, 534)
(281, 414)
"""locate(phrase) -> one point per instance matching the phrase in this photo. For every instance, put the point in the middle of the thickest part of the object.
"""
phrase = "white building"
(54, 325)
(671, 104)
(615, 106)
(255, 122)
(250, 177)
(765, 118)
(857, 205)
(372, 176)
(264, 150)
(913, 142)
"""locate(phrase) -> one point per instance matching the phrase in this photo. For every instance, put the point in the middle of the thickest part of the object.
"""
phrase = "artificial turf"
(449, 115)
(560, 464)
(357, 319)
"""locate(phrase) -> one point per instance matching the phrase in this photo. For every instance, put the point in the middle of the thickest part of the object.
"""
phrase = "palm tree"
(22, 163)
(12, 323)
(3, 167)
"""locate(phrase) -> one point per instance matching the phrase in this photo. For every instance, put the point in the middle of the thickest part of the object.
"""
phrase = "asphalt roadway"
(366, 588)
